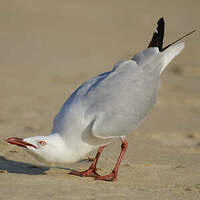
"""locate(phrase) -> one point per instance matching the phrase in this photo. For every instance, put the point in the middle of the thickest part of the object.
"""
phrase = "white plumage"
(110, 105)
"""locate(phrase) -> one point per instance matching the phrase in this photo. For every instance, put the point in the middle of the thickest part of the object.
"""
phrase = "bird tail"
(168, 53)
(158, 36)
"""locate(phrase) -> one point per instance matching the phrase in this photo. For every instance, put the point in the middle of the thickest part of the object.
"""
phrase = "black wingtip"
(158, 36)
(161, 20)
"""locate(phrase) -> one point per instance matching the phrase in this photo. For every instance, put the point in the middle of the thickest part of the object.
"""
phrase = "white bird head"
(49, 148)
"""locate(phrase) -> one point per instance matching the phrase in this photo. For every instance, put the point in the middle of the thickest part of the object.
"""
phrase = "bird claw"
(92, 173)
(86, 173)
(110, 177)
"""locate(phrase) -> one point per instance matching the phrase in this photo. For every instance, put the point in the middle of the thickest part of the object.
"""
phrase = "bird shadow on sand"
(17, 167)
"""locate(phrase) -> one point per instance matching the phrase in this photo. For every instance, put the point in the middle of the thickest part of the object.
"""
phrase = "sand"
(48, 48)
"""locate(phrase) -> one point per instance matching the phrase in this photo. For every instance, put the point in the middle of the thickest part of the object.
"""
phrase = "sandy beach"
(48, 48)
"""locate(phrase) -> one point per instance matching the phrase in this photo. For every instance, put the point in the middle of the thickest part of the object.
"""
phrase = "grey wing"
(120, 102)
(70, 113)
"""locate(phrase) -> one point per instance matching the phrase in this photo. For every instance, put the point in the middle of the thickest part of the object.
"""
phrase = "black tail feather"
(158, 36)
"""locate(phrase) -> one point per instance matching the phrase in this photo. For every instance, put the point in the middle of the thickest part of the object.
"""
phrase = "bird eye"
(42, 143)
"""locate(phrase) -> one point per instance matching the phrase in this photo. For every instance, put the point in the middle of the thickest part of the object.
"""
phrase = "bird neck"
(71, 149)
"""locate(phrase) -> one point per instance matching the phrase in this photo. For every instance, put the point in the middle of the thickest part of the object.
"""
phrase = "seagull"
(107, 107)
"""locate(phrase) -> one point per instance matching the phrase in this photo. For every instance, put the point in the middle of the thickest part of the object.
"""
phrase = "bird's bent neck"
(67, 149)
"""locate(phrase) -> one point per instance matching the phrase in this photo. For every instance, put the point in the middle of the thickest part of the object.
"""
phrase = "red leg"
(92, 170)
(113, 175)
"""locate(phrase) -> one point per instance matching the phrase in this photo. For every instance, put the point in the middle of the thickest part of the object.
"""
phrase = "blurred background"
(48, 48)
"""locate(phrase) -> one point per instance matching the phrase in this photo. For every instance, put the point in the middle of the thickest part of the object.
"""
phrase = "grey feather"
(114, 103)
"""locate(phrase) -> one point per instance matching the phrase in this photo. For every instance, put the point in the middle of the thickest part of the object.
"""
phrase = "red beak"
(19, 142)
